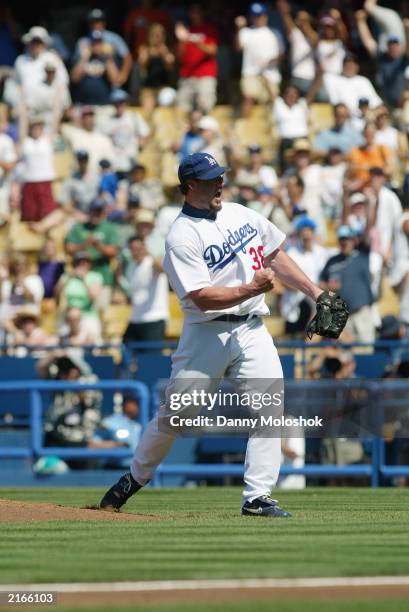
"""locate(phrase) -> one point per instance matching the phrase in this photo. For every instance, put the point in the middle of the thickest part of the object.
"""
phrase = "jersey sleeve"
(186, 270)
(271, 237)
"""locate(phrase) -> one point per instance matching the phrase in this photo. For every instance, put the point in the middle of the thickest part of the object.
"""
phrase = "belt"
(232, 318)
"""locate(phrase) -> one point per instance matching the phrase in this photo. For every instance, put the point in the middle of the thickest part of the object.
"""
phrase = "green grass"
(333, 532)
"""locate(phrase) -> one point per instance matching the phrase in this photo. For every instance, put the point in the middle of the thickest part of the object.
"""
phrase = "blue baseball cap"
(257, 9)
(200, 166)
(118, 95)
(97, 204)
(264, 190)
(303, 222)
(344, 231)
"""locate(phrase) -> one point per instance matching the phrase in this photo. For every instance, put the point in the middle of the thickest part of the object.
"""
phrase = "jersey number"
(258, 257)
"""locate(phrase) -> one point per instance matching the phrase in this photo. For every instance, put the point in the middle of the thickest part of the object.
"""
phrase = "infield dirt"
(26, 512)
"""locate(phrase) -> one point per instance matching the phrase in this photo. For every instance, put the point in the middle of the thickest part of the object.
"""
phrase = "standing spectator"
(149, 233)
(80, 189)
(95, 73)
(36, 168)
(340, 136)
(212, 140)
(156, 64)
(113, 45)
(8, 159)
(197, 51)
(82, 289)
(386, 134)
(191, 140)
(348, 274)
(146, 285)
(19, 287)
(257, 172)
(148, 191)
(387, 210)
(98, 237)
(87, 137)
(399, 272)
(296, 308)
(388, 22)
(369, 155)
(311, 175)
(50, 97)
(303, 39)
(350, 86)
(332, 180)
(128, 131)
(138, 21)
(50, 269)
(260, 73)
(390, 63)
(30, 66)
(330, 48)
(290, 115)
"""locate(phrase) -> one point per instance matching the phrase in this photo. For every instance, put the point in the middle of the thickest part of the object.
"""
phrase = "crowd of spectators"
(330, 91)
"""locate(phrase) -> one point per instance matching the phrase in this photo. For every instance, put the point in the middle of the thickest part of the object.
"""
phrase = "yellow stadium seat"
(63, 163)
(321, 116)
(115, 319)
(49, 316)
(169, 172)
(253, 131)
(175, 322)
(23, 239)
(389, 302)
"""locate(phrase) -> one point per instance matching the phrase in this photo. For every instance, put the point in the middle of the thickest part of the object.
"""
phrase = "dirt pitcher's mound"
(25, 512)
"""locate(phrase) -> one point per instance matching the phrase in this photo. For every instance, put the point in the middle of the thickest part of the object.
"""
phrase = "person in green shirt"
(99, 238)
(81, 289)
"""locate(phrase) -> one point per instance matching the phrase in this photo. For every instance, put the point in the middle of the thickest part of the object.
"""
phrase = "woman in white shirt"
(330, 49)
(290, 116)
(36, 169)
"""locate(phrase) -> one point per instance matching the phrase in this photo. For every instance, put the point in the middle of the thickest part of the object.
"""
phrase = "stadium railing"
(34, 390)
(381, 398)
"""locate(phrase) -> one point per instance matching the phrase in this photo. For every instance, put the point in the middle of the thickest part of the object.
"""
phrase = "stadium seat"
(389, 301)
(22, 238)
(175, 322)
(115, 319)
(321, 116)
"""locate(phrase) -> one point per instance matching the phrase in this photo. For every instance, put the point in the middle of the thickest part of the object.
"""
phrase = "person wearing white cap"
(50, 98)
(209, 130)
(30, 66)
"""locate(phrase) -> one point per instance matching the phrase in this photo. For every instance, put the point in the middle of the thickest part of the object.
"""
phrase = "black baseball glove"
(332, 315)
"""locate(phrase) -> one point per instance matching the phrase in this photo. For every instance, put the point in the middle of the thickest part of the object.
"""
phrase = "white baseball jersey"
(224, 251)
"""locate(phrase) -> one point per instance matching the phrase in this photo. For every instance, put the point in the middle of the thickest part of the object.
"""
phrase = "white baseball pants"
(213, 350)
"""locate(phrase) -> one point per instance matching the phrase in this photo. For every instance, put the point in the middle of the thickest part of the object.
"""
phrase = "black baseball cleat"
(263, 506)
(119, 494)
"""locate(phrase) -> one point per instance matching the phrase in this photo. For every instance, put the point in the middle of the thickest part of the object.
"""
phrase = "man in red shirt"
(197, 50)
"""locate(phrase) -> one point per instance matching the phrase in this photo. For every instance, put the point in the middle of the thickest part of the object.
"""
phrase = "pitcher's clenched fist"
(263, 281)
